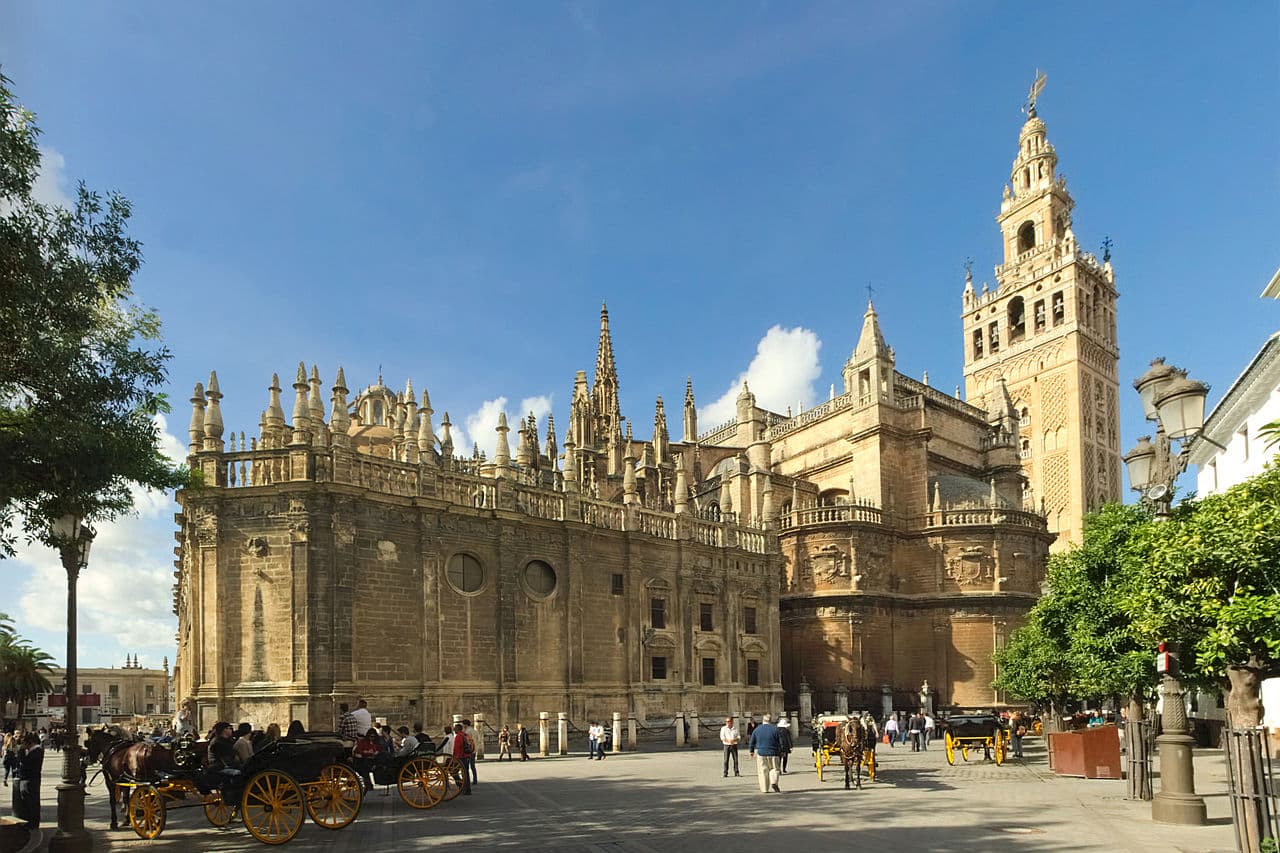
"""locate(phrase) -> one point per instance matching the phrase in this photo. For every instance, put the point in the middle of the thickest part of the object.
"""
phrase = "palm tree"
(24, 671)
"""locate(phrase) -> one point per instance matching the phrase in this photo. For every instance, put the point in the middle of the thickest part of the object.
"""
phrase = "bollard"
(795, 725)
(693, 728)
(632, 732)
(543, 735)
(617, 731)
(562, 731)
(477, 725)
(679, 728)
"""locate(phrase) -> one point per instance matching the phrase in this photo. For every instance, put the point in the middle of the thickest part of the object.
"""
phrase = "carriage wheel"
(999, 749)
(951, 748)
(334, 800)
(869, 757)
(218, 812)
(453, 770)
(964, 750)
(272, 807)
(146, 811)
(422, 783)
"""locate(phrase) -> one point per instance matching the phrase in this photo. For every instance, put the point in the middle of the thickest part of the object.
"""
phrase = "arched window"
(377, 412)
(1027, 237)
(1017, 319)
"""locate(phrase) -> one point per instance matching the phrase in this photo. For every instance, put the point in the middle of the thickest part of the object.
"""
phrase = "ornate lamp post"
(75, 538)
(1176, 404)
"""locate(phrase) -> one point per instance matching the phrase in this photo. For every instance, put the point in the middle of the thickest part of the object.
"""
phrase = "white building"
(1252, 401)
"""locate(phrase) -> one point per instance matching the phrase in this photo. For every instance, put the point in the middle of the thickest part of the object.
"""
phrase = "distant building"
(104, 693)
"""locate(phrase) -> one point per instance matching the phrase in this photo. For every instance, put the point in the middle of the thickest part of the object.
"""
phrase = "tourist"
(729, 737)
(927, 730)
(872, 729)
(751, 725)
(461, 749)
(26, 788)
(408, 743)
(424, 739)
(504, 742)
(296, 729)
(348, 729)
(273, 733)
(763, 746)
(184, 722)
(593, 734)
(364, 720)
(364, 753)
(916, 731)
(388, 739)
(891, 729)
(1018, 729)
(522, 741)
(244, 743)
(222, 749)
(11, 742)
(784, 742)
(470, 759)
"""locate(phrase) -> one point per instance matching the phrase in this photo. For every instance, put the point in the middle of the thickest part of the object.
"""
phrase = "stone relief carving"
(256, 546)
(828, 563)
(970, 565)
(873, 567)
(386, 551)
(344, 532)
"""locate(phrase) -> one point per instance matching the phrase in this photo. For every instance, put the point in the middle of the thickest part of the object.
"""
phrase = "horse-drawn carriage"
(849, 741)
(273, 793)
(424, 778)
(966, 732)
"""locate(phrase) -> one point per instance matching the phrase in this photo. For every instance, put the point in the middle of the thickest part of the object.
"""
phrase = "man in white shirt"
(364, 720)
(928, 730)
(891, 729)
(408, 742)
(729, 737)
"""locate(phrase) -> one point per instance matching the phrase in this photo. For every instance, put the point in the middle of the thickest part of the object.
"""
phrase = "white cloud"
(481, 425)
(124, 595)
(781, 374)
(50, 184)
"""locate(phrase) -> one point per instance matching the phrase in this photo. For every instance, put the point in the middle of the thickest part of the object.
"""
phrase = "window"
(658, 668)
(749, 619)
(753, 672)
(151, 691)
(86, 715)
(540, 578)
(151, 708)
(616, 581)
(1027, 233)
(1039, 315)
(1244, 442)
(113, 690)
(658, 612)
(1026, 449)
(977, 343)
(465, 573)
(377, 413)
(708, 672)
(706, 618)
(86, 688)
(1017, 319)
(1024, 417)
(1059, 309)
(993, 332)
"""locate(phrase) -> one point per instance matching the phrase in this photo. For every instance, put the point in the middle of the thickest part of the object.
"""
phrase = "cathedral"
(837, 557)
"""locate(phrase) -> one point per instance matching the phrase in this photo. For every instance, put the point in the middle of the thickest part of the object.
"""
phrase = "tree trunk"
(1244, 711)
(1243, 700)
(1137, 749)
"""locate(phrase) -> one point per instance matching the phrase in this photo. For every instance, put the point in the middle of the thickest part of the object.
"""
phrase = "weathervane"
(968, 267)
(1033, 95)
(870, 292)
(1106, 250)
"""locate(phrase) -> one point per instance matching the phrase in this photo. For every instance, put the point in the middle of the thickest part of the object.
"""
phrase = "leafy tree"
(80, 364)
(24, 672)
(1211, 582)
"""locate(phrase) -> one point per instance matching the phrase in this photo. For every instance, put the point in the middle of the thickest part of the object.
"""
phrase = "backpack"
(468, 748)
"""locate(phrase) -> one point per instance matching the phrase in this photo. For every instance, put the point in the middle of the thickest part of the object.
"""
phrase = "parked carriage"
(826, 743)
(965, 732)
(278, 786)
(424, 778)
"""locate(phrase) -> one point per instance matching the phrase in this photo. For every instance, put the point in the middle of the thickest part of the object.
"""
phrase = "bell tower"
(1048, 329)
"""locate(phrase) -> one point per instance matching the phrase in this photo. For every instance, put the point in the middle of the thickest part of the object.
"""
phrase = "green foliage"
(80, 365)
(1212, 579)
(24, 669)
(1079, 640)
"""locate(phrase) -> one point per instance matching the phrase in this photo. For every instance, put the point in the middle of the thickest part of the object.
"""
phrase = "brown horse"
(853, 745)
(123, 759)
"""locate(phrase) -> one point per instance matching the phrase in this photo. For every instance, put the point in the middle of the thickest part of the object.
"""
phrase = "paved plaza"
(668, 800)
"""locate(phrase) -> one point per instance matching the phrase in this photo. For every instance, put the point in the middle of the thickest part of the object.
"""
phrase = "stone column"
(632, 732)
(562, 731)
(544, 736)
(795, 725)
(477, 721)
(457, 718)
(1177, 800)
(679, 728)
(693, 728)
(806, 702)
(842, 699)
(617, 731)
(886, 703)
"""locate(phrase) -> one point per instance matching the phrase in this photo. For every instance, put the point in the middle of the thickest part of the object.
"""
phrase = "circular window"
(540, 578)
(465, 573)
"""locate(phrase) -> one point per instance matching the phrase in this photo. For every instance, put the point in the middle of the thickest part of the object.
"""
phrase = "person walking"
(470, 759)
(729, 737)
(928, 731)
(504, 742)
(916, 731)
(891, 728)
(26, 786)
(1018, 730)
(522, 741)
(593, 737)
(784, 743)
(764, 747)
(10, 754)
(461, 746)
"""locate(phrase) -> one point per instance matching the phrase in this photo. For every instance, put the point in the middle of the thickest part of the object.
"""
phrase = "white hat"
(785, 724)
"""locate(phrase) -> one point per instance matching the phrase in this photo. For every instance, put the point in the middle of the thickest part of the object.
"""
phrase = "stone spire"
(630, 494)
(301, 389)
(446, 442)
(531, 436)
(275, 414)
(552, 451)
(213, 415)
(661, 439)
(570, 466)
(604, 391)
(426, 432)
(410, 423)
(196, 429)
(726, 497)
(502, 454)
(340, 421)
(522, 444)
(315, 407)
(682, 487)
(690, 413)
(871, 343)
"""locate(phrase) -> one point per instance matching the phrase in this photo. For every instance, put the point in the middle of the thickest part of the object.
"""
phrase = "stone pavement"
(676, 800)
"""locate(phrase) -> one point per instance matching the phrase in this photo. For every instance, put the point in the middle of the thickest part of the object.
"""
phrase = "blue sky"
(450, 190)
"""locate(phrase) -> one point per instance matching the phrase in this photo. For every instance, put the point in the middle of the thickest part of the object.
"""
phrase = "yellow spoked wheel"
(146, 811)
(1000, 749)
(964, 750)
(869, 758)
(218, 812)
(818, 762)
(453, 770)
(272, 807)
(422, 783)
(334, 800)
(951, 748)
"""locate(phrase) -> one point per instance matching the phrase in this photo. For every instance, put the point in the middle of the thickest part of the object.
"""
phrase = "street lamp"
(74, 538)
(1176, 404)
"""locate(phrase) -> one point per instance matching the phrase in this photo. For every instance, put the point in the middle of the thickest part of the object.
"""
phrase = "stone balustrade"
(835, 514)
(980, 516)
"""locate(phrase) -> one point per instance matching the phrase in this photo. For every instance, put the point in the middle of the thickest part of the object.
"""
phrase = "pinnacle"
(341, 381)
